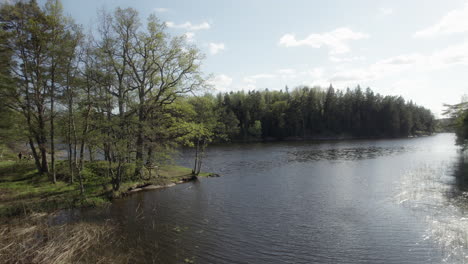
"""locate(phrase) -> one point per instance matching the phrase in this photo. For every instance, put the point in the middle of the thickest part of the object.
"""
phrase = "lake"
(356, 201)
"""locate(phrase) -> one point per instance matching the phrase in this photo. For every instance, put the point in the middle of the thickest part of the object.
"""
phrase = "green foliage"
(23, 190)
(312, 113)
(445, 125)
(121, 93)
(207, 119)
(459, 114)
(256, 129)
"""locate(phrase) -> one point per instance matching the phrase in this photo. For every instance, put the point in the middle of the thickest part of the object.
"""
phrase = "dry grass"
(32, 240)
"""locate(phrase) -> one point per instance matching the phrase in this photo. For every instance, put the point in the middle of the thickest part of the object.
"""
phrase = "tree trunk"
(116, 176)
(149, 159)
(80, 178)
(70, 160)
(52, 144)
(69, 136)
(195, 166)
(34, 153)
(44, 163)
(75, 145)
(80, 165)
(200, 158)
(91, 153)
(82, 151)
(86, 125)
(139, 142)
(139, 152)
(107, 156)
(42, 141)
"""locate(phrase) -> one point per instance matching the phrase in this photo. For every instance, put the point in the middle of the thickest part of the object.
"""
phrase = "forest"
(314, 113)
(129, 93)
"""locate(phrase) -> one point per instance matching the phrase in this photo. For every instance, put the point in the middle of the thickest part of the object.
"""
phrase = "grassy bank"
(23, 190)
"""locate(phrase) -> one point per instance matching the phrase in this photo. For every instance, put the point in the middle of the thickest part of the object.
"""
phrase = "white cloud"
(402, 59)
(335, 40)
(221, 82)
(287, 76)
(189, 26)
(262, 76)
(410, 87)
(440, 59)
(316, 73)
(286, 71)
(455, 21)
(161, 9)
(352, 76)
(431, 98)
(452, 55)
(250, 82)
(347, 75)
(215, 48)
(252, 79)
(189, 36)
(249, 86)
(346, 59)
(385, 11)
(376, 70)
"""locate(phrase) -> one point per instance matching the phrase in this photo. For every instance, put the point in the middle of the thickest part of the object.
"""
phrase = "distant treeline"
(319, 113)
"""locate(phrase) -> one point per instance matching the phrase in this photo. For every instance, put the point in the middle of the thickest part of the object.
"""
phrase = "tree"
(59, 54)
(207, 128)
(146, 71)
(315, 112)
(459, 112)
(33, 40)
(162, 69)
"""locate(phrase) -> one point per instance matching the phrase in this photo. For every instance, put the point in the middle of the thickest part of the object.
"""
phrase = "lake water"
(359, 201)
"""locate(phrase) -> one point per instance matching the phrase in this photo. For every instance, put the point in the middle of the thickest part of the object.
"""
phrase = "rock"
(152, 187)
(135, 190)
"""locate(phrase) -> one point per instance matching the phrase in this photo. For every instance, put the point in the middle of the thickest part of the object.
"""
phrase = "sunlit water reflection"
(437, 191)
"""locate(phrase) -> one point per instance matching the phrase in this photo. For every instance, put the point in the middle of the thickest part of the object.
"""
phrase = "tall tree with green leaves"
(459, 113)
(162, 69)
(23, 25)
(207, 127)
(33, 38)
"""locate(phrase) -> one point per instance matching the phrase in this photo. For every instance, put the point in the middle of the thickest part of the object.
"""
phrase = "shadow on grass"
(14, 171)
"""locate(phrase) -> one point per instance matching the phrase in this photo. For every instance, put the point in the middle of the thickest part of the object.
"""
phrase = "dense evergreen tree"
(321, 113)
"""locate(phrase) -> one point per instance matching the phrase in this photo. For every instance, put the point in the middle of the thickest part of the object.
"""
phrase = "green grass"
(23, 190)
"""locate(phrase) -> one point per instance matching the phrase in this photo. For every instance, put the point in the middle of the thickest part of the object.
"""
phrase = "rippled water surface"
(369, 201)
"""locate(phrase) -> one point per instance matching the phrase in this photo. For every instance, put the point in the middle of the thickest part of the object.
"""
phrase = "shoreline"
(151, 186)
(318, 139)
(23, 191)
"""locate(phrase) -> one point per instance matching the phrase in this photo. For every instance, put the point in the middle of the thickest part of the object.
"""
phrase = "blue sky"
(417, 49)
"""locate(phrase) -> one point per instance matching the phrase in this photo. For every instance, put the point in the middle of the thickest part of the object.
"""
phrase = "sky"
(417, 49)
